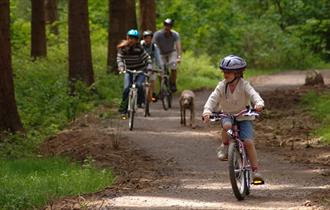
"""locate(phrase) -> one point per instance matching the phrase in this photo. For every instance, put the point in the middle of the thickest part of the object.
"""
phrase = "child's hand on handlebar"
(258, 108)
(206, 118)
(121, 70)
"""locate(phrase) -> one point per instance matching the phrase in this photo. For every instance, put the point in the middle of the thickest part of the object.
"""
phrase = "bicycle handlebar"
(133, 71)
(155, 70)
(217, 116)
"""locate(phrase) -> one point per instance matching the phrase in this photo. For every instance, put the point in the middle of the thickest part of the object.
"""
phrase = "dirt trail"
(175, 167)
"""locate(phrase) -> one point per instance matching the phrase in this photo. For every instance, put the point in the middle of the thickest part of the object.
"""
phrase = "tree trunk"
(122, 17)
(51, 15)
(38, 31)
(148, 15)
(80, 56)
(9, 118)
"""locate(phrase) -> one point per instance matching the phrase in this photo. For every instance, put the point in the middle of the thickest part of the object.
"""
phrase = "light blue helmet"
(133, 33)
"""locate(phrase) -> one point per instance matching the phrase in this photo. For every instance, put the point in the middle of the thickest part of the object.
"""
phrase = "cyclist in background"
(169, 44)
(131, 55)
(153, 51)
(232, 95)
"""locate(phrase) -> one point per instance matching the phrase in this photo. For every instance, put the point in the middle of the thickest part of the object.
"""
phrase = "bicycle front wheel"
(131, 112)
(146, 102)
(165, 97)
(236, 172)
(248, 177)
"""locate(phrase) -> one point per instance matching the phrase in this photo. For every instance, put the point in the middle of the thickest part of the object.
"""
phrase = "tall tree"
(148, 15)
(51, 15)
(122, 17)
(38, 31)
(9, 118)
(80, 56)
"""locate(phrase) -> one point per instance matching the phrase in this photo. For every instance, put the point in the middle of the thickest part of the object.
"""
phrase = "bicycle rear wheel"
(236, 172)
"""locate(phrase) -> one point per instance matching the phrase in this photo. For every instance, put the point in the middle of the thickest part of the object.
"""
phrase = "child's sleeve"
(213, 101)
(254, 95)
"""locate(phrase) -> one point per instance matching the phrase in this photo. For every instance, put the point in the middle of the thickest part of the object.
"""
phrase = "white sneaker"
(222, 153)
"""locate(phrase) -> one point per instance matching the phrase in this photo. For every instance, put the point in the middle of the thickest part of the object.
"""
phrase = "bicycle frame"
(133, 89)
(234, 136)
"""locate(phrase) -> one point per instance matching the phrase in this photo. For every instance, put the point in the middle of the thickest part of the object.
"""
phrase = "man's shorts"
(170, 59)
(245, 128)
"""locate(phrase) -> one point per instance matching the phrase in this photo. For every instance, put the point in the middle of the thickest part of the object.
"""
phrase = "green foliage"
(42, 93)
(98, 16)
(20, 9)
(319, 105)
(195, 73)
(98, 13)
(32, 183)
(295, 35)
(108, 86)
(20, 33)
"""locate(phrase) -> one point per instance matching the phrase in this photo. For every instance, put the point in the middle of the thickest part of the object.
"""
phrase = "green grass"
(318, 104)
(32, 183)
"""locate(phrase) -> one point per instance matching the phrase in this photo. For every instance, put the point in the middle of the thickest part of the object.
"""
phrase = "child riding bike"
(132, 55)
(232, 95)
(153, 51)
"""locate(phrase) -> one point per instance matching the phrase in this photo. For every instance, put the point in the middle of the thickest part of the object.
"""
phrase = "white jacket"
(234, 102)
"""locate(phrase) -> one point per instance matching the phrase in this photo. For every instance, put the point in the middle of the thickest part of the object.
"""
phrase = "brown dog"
(187, 102)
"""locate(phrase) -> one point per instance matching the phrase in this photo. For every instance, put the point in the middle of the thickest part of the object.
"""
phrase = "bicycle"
(165, 93)
(132, 98)
(147, 93)
(240, 170)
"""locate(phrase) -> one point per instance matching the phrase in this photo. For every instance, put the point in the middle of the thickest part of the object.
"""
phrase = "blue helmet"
(133, 33)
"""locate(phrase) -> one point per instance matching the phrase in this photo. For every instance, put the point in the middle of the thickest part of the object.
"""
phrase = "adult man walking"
(169, 45)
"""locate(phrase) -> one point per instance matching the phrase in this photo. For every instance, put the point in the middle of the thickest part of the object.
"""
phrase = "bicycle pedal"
(258, 182)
